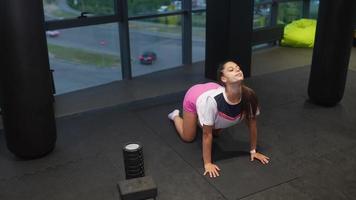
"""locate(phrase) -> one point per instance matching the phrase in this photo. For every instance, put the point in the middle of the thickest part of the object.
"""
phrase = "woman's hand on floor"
(264, 159)
(211, 169)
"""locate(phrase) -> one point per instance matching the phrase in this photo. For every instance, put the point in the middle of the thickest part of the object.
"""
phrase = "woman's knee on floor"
(188, 136)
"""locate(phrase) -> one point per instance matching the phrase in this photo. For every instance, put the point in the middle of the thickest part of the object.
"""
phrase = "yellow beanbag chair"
(299, 33)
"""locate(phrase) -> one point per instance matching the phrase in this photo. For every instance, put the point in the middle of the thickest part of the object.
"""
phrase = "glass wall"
(314, 7)
(144, 7)
(65, 9)
(156, 44)
(198, 4)
(198, 36)
(262, 13)
(84, 57)
(86, 52)
(289, 11)
(284, 11)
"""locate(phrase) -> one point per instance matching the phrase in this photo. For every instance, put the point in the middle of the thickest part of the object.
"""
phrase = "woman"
(214, 107)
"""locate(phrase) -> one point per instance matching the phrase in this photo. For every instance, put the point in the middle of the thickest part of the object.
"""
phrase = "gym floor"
(312, 148)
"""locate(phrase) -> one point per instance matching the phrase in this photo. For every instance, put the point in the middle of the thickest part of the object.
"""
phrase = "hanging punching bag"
(331, 52)
(26, 96)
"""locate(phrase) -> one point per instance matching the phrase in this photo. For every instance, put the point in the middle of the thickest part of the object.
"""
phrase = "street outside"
(88, 56)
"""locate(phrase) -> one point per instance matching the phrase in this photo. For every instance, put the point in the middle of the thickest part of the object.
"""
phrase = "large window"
(198, 36)
(272, 12)
(84, 57)
(64, 9)
(198, 4)
(142, 7)
(84, 43)
(289, 11)
(314, 7)
(156, 44)
(262, 13)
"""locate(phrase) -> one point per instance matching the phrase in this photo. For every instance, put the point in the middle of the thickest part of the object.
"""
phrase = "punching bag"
(229, 31)
(331, 52)
(26, 95)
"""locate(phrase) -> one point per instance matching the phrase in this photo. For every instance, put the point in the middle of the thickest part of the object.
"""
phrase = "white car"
(53, 33)
(163, 9)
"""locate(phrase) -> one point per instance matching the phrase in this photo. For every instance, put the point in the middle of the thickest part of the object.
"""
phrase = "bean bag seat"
(299, 33)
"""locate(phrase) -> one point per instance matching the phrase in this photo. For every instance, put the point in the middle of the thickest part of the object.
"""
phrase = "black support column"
(331, 52)
(228, 34)
(124, 35)
(187, 32)
(28, 113)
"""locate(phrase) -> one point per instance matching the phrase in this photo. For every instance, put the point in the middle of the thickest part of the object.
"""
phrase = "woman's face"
(231, 73)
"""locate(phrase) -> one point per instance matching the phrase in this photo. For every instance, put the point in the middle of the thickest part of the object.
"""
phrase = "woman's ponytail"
(249, 102)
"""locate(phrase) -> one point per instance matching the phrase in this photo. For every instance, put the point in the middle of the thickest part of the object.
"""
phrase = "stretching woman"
(216, 107)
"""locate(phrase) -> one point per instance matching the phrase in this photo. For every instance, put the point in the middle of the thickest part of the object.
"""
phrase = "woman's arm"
(207, 143)
(210, 168)
(252, 126)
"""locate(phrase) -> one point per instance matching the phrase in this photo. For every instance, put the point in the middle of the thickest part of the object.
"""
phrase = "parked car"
(53, 33)
(148, 57)
(162, 9)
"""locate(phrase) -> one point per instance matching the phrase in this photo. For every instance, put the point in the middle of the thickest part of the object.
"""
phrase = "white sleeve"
(207, 110)
(257, 111)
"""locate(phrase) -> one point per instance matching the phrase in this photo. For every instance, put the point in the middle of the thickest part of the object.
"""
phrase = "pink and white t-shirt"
(214, 109)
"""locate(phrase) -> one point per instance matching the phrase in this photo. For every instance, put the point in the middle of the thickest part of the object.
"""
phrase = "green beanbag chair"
(299, 33)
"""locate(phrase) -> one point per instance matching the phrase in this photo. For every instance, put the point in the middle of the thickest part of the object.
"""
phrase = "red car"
(148, 57)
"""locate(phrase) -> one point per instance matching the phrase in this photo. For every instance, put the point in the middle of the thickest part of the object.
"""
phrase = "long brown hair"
(249, 101)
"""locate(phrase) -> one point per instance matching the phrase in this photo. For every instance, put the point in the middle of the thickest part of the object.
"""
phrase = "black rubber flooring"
(312, 150)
